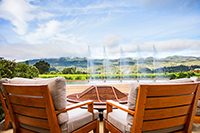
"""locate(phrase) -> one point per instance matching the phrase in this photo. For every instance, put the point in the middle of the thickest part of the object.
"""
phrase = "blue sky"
(32, 29)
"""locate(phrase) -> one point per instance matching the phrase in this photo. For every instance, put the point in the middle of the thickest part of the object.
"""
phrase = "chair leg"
(96, 130)
(104, 127)
(6, 123)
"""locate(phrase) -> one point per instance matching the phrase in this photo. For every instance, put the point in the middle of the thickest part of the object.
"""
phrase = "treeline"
(172, 69)
(180, 68)
(63, 61)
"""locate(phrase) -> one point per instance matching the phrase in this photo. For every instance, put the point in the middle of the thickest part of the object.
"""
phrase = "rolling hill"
(148, 63)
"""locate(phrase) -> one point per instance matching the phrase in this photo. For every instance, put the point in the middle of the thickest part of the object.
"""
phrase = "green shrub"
(10, 69)
(188, 75)
(182, 75)
(83, 78)
(173, 76)
(78, 77)
(53, 72)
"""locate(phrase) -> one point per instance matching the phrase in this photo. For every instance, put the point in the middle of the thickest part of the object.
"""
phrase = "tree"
(53, 72)
(42, 66)
(73, 70)
(27, 62)
(69, 70)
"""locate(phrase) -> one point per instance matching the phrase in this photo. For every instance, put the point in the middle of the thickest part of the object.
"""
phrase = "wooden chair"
(160, 107)
(6, 112)
(32, 105)
(197, 118)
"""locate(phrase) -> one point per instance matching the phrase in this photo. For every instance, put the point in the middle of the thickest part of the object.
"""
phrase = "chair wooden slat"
(167, 112)
(41, 123)
(27, 101)
(110, 128)
(162, 102)
(22, 130)
(34, 112)
(170, 89)
(165, 123)
(179, 132)
(20, 89)
(197, 119)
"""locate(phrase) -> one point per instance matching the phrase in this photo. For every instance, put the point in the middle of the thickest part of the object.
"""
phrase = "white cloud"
(50, 30)
(110, 41)
(62, 28)
(71, 45)
(3, 40)
(44, 15)
(18, 12)
(178, 45)
(166, 5)
(45, 31)
(98, 7)
(164, 48)
(53, 49)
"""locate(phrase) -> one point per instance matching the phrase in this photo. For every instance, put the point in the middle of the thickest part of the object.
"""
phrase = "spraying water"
(121, 60)
(90, 66)
(104, 63)
(124, 66)
(154, 61)
(138, 56)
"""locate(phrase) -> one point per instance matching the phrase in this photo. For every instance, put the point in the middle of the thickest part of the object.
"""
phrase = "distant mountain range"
(149, 62)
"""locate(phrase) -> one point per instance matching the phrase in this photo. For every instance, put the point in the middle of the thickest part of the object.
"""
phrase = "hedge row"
(128, 76)
(110, 76)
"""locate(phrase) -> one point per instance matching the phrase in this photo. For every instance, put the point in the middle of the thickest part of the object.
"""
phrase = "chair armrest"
(110, 103)
(77, 105)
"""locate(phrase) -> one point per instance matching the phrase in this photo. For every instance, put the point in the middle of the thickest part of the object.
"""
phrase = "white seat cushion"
(195, 79)
(198, 108)
(182, 80)
(117, 118)
(77, 118)
(4, 80)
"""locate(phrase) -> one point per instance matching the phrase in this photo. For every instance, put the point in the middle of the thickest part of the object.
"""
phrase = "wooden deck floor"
(196, 129)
